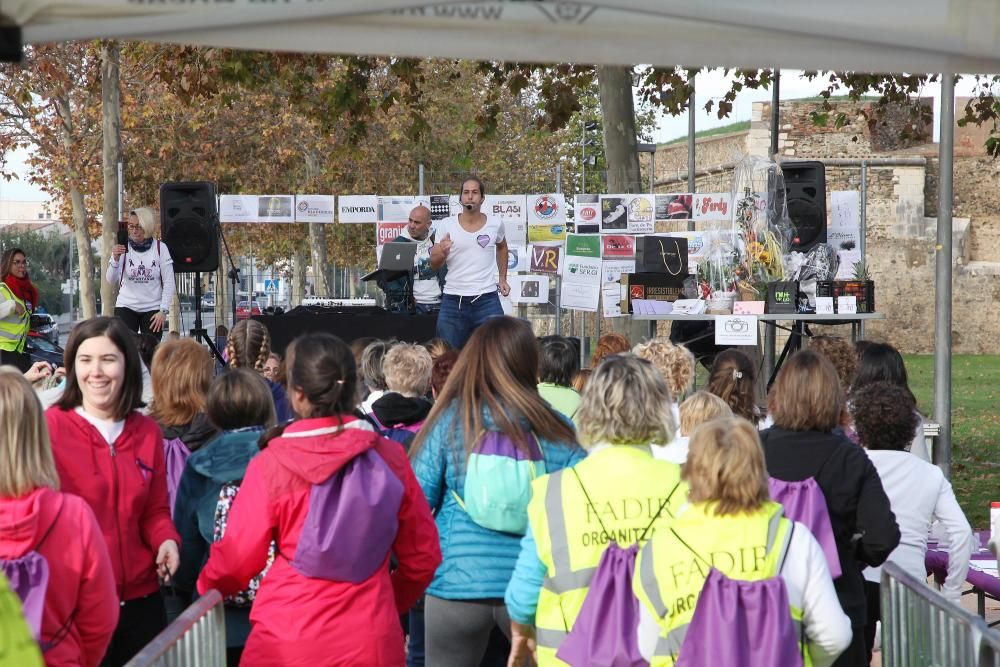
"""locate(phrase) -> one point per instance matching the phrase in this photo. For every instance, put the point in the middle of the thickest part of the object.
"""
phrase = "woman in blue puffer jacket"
(489, 407)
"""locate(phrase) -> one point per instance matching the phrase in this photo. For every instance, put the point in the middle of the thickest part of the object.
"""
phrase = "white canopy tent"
(945, 36)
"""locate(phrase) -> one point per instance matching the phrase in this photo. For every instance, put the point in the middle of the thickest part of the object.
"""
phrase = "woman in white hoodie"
(885, 418)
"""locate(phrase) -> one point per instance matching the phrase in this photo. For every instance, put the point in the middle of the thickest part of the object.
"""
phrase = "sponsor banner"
(518, 258)
(548, 209)
(357, 208)
(582, 270)
(545, 258)
(314, 208)
(587, 214)
(387, 231)
(238, 208)
(611, 299)
(509, 208)
(612, 269)
(276, 208)
(546, 233)
(578, 296)
(614, 214)
(640, 214)
(618, 246)
(674, 206)
(712, 206)
(698, 246)
(440, 207)
(844, 232)
(396, 208)
(529, 289)
(583, 245)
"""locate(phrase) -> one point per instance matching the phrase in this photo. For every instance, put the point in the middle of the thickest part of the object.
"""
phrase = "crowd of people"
(389, 503)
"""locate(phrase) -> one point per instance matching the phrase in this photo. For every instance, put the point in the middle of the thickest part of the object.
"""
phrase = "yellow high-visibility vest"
(17, 646)
(13, 328)
(626, 487)
(669, 577)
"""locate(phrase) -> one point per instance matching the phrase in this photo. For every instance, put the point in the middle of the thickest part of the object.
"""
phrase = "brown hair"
(840, 353)
(181, 374)
(130, 396)
(437, 347)
(7, 261)
(240, 398)
(441, 371)
(248, 345)
(807, 395)
(497, 371)
(700, 407)
(675, 363)
(608, 344)
(26, 461)
(581, 379)
(725, 466)
(885, 416)
(734, 379)
(321, 366)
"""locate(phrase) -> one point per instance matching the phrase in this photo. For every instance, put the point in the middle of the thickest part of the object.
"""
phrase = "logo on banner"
(546, 207)
(588, 213)
(640, 210)
(545, 259)
(303, 206)
(708, 205)
(513, 210)
(637, 292)
(388, 231)
(237, 205)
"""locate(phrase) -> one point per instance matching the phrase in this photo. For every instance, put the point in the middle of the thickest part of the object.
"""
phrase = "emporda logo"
(358, 209)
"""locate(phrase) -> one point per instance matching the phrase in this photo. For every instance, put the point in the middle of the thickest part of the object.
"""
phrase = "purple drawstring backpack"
(175, 455)
(804, 502)
(604, 633)
(742, 623)
(351, 522)
(29, 578)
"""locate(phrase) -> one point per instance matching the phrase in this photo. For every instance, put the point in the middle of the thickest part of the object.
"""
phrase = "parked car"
(208, 301)
(45, 326)
(40, 348)
(247, 309)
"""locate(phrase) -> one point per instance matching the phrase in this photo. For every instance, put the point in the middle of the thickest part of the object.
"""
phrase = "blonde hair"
(26, 461)
(248, 345)
(675, 362)
(181, 375)
(407, 369)
(625, 402)
(725, 466)
(701, 407)
(147, 220)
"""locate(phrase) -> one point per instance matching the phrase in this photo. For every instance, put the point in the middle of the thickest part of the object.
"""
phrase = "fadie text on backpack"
(498, 479)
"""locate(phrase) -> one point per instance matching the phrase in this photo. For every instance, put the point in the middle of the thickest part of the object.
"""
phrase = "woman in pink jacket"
(75, 612)
(337, 499)
(112, 457)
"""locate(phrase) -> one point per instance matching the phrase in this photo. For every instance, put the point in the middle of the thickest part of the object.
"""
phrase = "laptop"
(398, 256)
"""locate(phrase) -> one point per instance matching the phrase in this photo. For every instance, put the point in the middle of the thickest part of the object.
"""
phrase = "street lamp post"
(651, 149)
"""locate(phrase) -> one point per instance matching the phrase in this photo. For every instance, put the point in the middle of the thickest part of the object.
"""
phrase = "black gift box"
(782, 296)
(662, 254)
(651, 287)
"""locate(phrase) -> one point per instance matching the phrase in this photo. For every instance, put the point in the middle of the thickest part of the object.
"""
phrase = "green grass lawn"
(975, 426)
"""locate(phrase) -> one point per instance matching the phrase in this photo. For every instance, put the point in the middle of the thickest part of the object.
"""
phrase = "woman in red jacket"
(337, 498)
(36, 520)
(112, 457)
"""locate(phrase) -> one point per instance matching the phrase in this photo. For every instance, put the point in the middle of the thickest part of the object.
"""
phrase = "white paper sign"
(611, 299)
(587, 214)
(512, 210)
(357, 209)
(581, 270)
(640, 215)
(581, 297)
(844, 232)
(824, 305)
(397, 208)
(518, 258)
(314, 208)
(612, 269)
(276, 208)
(238, 208)
(735, 329)
(529, 288)
(549, 209)
(712, 206)
(847, 304)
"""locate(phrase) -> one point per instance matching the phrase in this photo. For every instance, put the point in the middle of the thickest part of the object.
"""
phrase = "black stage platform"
(348, 324)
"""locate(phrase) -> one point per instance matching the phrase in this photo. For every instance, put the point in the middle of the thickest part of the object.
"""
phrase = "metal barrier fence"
(921, 627)
(196, 639)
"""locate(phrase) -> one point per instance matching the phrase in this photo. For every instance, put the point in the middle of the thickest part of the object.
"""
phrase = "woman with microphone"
(144, 273)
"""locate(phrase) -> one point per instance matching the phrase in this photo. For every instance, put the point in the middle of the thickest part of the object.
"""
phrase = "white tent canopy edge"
(862, 35)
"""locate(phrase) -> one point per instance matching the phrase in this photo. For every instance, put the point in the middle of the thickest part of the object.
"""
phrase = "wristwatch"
(165, 311)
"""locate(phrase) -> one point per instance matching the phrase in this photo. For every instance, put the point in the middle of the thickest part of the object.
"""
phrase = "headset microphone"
(468, 207)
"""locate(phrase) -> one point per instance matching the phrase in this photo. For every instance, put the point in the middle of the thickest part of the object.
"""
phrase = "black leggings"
(138, 322)
(140, 621)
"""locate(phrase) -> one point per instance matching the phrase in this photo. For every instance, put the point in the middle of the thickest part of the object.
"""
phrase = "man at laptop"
(424, 283)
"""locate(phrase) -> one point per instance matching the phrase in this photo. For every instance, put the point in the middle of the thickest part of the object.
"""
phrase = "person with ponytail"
(18, 299)
(734, 380)
(249, 346)
(329, 598)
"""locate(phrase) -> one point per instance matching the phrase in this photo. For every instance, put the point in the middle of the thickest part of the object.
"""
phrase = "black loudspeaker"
(11, 46)
(190, 223)
(805, 197)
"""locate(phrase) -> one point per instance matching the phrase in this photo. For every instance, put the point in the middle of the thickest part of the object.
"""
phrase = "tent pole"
(691, 147)
(770, 332)
(943, 276)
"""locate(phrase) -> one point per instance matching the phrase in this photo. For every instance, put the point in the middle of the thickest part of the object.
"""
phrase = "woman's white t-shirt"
(472, 262)
(149, 279)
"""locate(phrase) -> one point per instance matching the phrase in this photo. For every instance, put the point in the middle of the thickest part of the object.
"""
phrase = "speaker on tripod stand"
(805, 197)
(189, 222)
